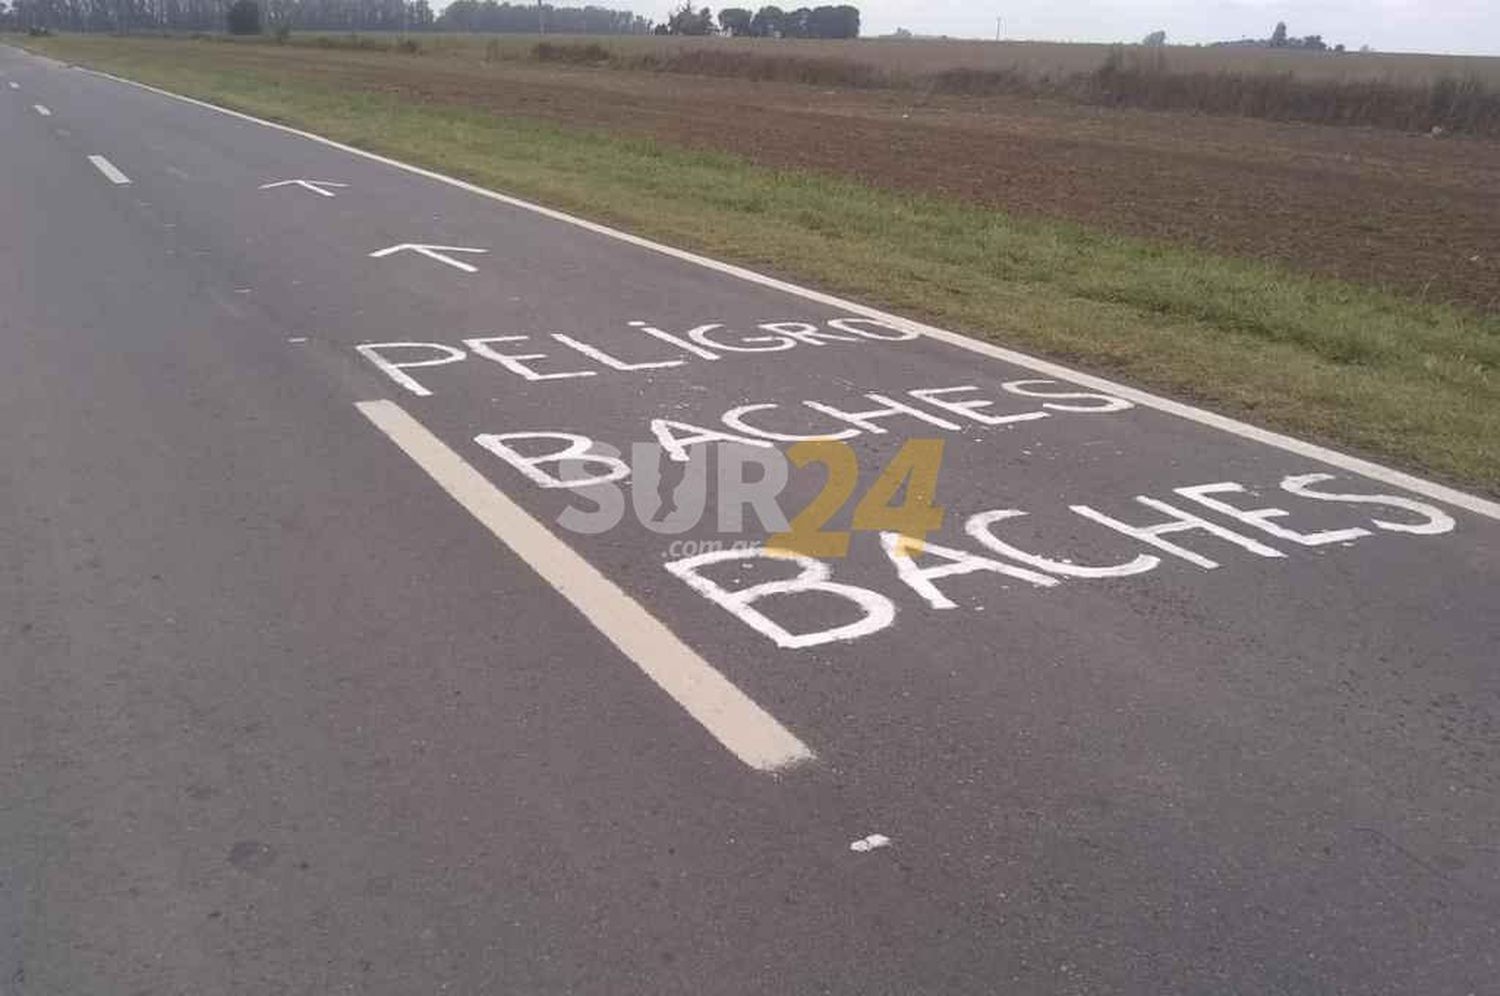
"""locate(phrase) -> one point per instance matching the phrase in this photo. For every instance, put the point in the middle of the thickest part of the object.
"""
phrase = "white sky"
(1459, 26)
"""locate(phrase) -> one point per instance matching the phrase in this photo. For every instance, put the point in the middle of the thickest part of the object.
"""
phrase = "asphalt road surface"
(313, 680)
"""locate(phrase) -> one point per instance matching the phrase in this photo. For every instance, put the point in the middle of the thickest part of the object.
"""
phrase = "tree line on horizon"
(840, 21)
(1279, 39)
(531, 19)
(319, 15)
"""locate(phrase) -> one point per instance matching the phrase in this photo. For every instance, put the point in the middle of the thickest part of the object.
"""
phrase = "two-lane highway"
(388, 608)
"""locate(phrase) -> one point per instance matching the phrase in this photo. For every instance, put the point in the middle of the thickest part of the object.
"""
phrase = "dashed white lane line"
(1266, 437)
(13, 85)
(42, 110)
(110, 171)
(735, 720)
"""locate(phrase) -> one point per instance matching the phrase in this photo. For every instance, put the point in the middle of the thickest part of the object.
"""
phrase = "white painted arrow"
(316, 186)
(433, 252)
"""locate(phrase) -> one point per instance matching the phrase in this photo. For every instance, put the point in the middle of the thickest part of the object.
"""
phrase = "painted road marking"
(14, 85)
(110, 171)
(919, 570)
(767, 337)
(1375, 471)
(316, 186)
(735, 720)
(43, 111)
(432, 252)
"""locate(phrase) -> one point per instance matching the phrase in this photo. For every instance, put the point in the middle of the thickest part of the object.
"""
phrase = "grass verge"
(1401, 380)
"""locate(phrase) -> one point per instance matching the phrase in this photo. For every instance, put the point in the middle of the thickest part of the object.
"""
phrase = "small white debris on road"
(870, 843)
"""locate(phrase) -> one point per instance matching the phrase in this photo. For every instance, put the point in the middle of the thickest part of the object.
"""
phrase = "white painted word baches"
(528, 357)
(922, 570)
(551, 459)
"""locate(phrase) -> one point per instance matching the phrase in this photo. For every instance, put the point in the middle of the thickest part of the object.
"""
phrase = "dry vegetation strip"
(920, 57)
(1125, 77)
(1409, 381)
(1406, 92)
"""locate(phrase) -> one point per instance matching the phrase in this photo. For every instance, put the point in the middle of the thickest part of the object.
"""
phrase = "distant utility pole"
(541, 18)
(997, 29)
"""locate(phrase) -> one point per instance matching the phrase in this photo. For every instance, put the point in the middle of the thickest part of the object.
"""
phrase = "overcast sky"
(1463, 26)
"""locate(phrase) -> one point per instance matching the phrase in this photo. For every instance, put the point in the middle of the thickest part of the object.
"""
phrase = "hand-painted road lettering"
(574, 461)
(1199, 525)
(867, 611)
(532, 356)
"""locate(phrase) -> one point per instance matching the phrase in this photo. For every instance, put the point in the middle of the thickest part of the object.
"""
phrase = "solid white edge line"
(733, 718)
(42, 110)
(109, 170)
(1312, 451)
